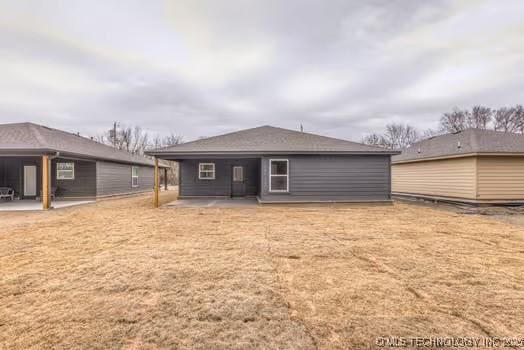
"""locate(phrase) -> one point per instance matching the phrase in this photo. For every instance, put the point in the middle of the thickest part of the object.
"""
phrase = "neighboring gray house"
(280, 165)
(78, 168)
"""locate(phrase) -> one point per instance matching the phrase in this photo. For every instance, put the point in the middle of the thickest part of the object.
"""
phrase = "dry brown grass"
(119, 274)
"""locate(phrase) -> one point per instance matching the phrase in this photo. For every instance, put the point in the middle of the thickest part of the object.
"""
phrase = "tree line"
(135, 140)
(398, 135)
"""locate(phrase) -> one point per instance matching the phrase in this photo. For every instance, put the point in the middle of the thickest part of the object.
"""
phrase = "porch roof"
(34, 139)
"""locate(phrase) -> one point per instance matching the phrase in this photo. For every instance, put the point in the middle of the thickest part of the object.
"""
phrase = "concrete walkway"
(214, 203)
(31, 205)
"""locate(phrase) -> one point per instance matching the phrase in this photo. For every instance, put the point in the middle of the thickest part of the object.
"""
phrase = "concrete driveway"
(214, 203)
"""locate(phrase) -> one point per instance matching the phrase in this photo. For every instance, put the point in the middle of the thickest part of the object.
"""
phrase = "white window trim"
(287, 175)
(58, 172)
(200, 171)
(137, 176)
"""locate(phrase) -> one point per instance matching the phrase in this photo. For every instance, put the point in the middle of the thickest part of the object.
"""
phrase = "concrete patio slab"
(214, 203)
(32, 205)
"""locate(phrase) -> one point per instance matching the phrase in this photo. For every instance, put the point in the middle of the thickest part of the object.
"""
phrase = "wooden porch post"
(179, 177)
(46, 200)
(157, 187)
(165, 179)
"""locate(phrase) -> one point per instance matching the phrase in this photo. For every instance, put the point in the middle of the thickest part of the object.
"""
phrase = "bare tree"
(510, 119)
(156, 143)
(396, 136)
(131, 139)
(505, 119)
(519, 117)
(480, 117)
(172, 140)
(454, 121)
(137, 140)
(374, 140)
(169, 140)
(400, 135)
(431, 133)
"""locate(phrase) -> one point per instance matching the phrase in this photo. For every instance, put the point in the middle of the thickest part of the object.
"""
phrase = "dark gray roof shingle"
(470, 140)
(33, 137)
(268, 139)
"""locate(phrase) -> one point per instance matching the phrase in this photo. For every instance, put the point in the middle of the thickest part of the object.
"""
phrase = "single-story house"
(37, 162)
(472, 166)
(281, 166)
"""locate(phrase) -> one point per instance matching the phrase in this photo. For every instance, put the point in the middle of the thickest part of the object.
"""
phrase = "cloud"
(199, 68)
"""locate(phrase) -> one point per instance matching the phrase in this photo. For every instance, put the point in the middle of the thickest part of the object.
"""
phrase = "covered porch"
(215, 176)
(25, 181)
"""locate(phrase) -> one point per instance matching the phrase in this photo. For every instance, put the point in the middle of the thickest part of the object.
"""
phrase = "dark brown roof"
(268, 140)
(29, 137)
(462, 143)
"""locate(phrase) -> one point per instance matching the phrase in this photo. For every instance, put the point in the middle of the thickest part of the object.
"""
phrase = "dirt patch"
(511, 215)
(507, 214)
(120, 274)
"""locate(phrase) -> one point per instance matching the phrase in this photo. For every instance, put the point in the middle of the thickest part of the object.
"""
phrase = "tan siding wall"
(501, 178)
(446, 178)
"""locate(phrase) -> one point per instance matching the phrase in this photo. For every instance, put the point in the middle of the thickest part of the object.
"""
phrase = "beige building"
(473, 166)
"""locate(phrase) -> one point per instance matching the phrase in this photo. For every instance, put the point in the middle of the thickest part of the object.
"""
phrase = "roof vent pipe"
(458, 144)
(418, 150)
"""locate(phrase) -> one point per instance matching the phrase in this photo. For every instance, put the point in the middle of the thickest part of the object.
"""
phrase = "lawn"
(120, 274)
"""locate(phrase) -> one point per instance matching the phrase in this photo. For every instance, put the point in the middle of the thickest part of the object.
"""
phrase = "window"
(278, 175)
(206, 171)
(238, 174)
(134, 176)
(65, 171)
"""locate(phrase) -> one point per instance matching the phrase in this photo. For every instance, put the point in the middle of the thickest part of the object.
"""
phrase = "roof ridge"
(84, 138)
(376, 148)
(473, 138)
(20, 123)
(323, 136)
(331, 138)
(38, 136)
(70, 133)
(467, 141)
(212, 137)
(88, 139)
(269, 138)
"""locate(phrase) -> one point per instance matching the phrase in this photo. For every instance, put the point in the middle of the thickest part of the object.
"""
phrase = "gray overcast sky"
(200, 68)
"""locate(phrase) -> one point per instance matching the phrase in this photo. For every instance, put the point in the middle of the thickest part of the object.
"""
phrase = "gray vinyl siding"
(115, 179)
(82, 186)
(332, 178)
(192, 186)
